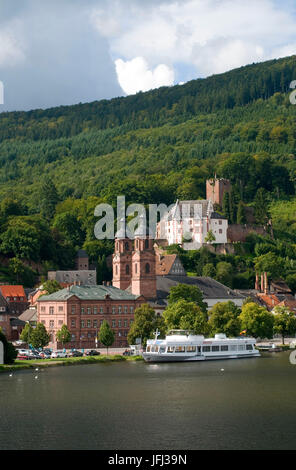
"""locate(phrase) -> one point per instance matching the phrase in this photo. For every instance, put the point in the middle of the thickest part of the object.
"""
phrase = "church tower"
(144, 267)
(122, 263)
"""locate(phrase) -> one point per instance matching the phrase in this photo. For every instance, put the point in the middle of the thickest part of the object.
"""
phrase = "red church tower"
(122, 263)
(144, 268)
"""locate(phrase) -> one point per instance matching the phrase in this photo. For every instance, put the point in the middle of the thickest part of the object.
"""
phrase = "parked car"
(34, 355)
(23, 356)
(92, 352)
(45, 354)
(59, 353)
(75, 354)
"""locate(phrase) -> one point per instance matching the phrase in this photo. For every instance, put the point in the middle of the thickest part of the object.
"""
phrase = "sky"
(61, 52)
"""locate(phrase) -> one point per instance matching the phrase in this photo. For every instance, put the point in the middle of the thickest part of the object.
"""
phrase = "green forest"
(154, 147)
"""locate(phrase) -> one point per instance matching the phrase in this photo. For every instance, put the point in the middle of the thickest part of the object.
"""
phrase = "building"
(10, 324)
(66, 278)
(83, 309)
(16, 299)
(216, 188)
(189, 222)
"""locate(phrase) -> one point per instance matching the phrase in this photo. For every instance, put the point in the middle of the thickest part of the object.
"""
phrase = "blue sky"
(59, 52)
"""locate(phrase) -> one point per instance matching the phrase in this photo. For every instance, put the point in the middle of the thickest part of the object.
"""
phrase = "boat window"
(170, 349)
(191, 349)
(224, 348)
(241, 347)
(180, 349)
(148, 349)
(233, 347)
(162, 349)
(215, 348)
(206, 348)
(249, 347)
(154, 349)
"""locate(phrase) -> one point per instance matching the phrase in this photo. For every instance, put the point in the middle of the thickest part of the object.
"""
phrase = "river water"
(138, 406)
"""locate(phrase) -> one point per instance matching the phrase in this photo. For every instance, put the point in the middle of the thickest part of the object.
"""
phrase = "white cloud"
(212, 35)
(10, 51)
(134, 75)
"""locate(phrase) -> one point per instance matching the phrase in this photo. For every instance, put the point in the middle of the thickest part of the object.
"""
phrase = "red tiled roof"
(13, 291)
(270, 300)
(164, 265)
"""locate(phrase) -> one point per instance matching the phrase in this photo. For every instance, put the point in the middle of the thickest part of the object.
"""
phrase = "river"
(138, 406)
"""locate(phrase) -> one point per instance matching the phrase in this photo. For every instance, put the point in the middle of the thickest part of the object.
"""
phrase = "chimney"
(257, 287)
(265, 283)
(262, 282)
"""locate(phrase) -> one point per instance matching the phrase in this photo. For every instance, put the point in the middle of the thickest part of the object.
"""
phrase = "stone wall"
(239, 233)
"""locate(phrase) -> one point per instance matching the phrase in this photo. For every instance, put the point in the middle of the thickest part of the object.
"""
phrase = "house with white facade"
(189, 222)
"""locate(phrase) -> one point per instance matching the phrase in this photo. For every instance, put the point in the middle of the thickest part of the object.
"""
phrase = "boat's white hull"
(150, 357)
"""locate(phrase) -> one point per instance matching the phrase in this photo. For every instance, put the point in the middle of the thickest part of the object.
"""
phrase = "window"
(220, 222)
(136, 268)
(127, 269)
(95, 310)
(61, 309)
(113, 323)
(146, 244)
(73, 323)
(42, 309)
(224, 348)
(88, 324)
(147, 268)
(206, 348)
(241, 347)
(101, 309)
(220, 230)
(73, 309)
(126, 246)
(88, 310)
(42, 321)
(113, 310)
(95, 323)
(125, 309)
(51, 310)
(119, 323)
(233, 347)
(82, 323)
(101, 322)
(116, 269)
(215, 348)
(180, 349)
(131, 309)
(125, 323)
(51, 324)
(82, 310)
(249, 347)
(170, 349)
(119, 309)
(191, 349)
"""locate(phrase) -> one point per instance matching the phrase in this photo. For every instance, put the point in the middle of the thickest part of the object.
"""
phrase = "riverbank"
(68, 361)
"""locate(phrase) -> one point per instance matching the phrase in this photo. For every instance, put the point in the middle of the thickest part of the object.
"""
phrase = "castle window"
(146, 243)
(147, 268)
(116, 269)
(127, 269)
(126, 246)
(136, 268)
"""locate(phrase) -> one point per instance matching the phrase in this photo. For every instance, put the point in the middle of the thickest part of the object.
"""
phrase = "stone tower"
(144, 268)
(216, 188)
(122, 263)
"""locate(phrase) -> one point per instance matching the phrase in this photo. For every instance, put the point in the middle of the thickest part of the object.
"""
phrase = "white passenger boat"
(183, 345)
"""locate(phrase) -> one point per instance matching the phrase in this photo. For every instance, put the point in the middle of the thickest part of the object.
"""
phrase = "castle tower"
(216, 188)
(122, 263)
(144, 266)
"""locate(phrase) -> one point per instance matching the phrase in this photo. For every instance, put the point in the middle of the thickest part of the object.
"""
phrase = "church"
(141, 268)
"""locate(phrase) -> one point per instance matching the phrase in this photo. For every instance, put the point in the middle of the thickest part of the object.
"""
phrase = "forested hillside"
(153, 147)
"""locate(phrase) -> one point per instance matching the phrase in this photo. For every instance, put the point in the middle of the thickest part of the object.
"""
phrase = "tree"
(284, 322)
(22, 273)
(39, 337)
(257, 321)
(210, 237)
(64, 335)
(49, 198)
(224, 273)
(106, 335)
(261, 206)
(145, 323)
(51, 286)
(224, 318)
(26, 333)
(186, 315)
(269, 263)
(189, 293)
(209, 270)
(10, 353)
(241, 213)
